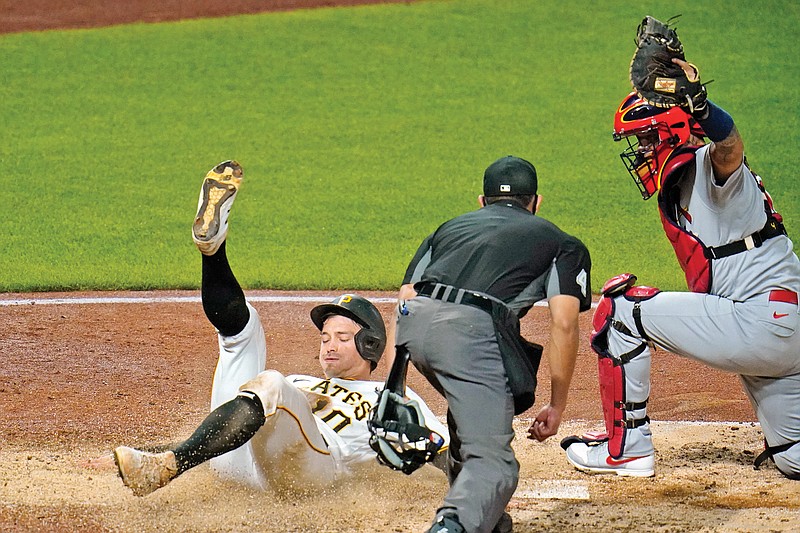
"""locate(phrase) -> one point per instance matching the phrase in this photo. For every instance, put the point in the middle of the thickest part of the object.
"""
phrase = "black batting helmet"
(371, 339)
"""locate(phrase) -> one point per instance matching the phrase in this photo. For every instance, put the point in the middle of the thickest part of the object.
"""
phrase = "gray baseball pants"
(454, 347)
(757, 339)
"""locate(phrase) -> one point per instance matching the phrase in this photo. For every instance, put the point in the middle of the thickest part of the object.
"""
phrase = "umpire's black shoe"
(447, 524)
(505, 525)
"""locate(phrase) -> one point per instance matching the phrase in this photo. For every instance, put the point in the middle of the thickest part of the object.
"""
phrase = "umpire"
(460, 303)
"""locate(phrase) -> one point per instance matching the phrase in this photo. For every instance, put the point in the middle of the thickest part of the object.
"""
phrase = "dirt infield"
(34, 15)
(79, 379)
(82, 378)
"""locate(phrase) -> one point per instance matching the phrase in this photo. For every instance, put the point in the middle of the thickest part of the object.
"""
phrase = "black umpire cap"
(509, 176)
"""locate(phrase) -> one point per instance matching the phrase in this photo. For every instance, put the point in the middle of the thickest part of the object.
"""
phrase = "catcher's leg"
(776, 402)
(624, 373)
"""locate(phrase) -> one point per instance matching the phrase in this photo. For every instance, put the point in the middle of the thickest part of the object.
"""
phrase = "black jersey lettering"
(362, 410)
(352, 398)
(337, 389)
(321, 387)
(337, 420)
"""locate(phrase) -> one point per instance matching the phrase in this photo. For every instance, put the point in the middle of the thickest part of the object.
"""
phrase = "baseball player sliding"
(742, 313)
(266, 429)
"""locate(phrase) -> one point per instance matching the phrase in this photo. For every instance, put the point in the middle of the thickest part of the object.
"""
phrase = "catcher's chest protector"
(694, 256)
(689, 250)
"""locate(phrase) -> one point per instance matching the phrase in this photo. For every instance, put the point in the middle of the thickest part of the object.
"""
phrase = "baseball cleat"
(595, 459)
(144, 472)
(219, 189)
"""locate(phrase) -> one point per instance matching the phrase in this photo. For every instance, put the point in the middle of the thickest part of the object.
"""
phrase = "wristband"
(717, 123)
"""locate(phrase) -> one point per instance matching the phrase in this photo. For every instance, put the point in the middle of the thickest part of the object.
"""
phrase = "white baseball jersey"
(316, 428)
(342, 420)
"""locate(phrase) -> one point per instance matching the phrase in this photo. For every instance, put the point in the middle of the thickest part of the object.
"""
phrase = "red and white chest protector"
(694, 257)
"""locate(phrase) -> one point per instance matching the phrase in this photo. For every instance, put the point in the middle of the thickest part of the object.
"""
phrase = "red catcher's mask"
(653, 134)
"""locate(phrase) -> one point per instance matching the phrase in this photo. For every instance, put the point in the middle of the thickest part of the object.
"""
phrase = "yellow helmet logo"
(345, 299)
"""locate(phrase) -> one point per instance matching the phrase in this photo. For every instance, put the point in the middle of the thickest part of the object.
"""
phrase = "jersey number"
(343, 421)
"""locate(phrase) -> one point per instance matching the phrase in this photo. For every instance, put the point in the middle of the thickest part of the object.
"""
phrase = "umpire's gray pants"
(454, 347)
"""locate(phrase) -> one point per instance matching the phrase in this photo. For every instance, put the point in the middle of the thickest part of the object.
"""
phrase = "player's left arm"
(727, 146)
(727, 156)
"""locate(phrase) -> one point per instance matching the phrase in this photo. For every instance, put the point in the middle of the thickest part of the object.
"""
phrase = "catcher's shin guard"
(623, 398)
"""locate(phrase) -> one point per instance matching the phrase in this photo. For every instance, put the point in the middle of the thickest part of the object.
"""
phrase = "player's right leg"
(223, 299)
(223, 431)
(242, 348)
(217, 194)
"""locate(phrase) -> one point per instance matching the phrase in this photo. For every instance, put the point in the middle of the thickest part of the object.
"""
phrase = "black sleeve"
(573, 266)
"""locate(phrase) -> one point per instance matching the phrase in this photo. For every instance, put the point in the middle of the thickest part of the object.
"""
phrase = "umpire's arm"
(561, 352)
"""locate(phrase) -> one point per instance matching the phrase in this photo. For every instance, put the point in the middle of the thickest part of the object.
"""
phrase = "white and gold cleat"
(144, 472)
(217, 194)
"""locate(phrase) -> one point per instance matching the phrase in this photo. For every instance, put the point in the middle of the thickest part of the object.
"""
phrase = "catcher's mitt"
(397, 426)
(653, 74)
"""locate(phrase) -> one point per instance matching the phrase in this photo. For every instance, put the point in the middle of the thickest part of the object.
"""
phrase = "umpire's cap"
(509, 176)
(371, 339)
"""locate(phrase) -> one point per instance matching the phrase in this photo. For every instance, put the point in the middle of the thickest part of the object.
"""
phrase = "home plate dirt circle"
(86, 372)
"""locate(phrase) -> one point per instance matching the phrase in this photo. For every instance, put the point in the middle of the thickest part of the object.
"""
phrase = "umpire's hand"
(546, 424)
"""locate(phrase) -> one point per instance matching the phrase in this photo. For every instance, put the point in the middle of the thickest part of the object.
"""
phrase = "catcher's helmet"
(371, 338)
(653, 133)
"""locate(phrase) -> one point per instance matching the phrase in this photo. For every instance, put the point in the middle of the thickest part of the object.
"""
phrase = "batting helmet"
(371, 338)
(653, 134)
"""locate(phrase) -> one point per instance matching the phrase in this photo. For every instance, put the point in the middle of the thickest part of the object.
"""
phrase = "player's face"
(338, 354)
(647, 142)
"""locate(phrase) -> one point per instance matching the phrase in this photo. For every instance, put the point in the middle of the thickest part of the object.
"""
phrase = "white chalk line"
(167, 300)
(100, 300)
(555, 489)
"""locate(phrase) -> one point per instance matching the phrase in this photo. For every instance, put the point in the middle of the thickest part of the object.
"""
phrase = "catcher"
(741, 315)
(266, 430)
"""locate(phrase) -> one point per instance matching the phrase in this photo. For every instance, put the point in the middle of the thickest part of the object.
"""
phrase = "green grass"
(360, 130)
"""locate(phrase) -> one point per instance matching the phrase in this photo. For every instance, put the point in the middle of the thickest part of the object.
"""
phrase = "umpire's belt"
(448, 293)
